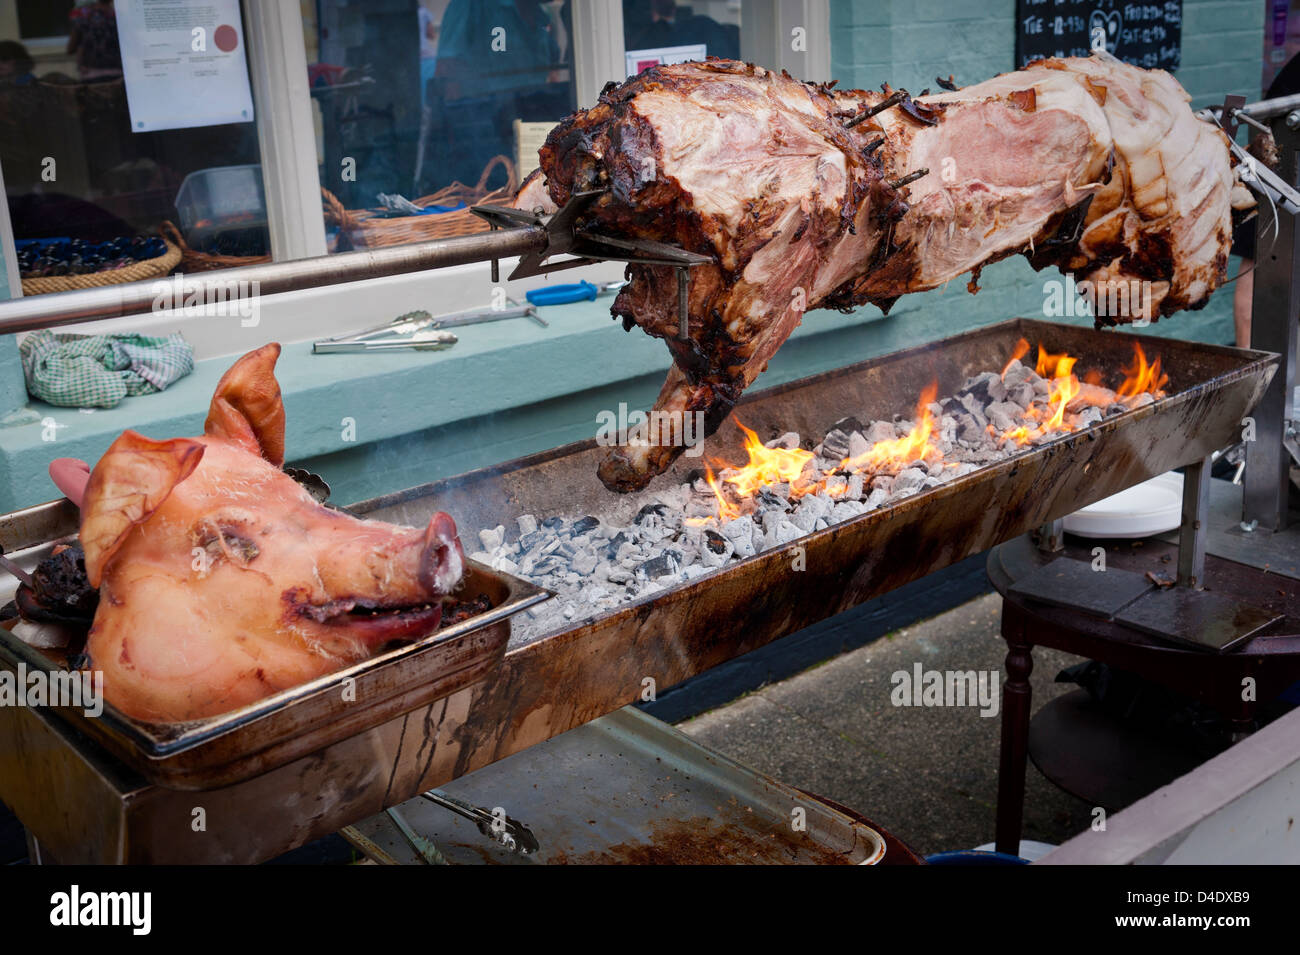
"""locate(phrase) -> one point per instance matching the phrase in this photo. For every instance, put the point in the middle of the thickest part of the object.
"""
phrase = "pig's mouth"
(375, 623)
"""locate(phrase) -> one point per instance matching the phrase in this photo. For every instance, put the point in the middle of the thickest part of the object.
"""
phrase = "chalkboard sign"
(1144, 34)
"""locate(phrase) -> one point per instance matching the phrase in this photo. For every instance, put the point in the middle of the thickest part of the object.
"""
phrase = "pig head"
(222, 581)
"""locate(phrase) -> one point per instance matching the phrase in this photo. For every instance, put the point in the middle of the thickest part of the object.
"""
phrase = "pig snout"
(442, 561)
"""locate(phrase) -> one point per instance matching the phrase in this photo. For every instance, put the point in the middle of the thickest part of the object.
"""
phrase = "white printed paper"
(638, 60)
(184, 63)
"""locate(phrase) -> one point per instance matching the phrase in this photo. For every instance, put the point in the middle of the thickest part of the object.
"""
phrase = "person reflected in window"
(16, 64)
(92, 37)
(670, 25)
(498, 61)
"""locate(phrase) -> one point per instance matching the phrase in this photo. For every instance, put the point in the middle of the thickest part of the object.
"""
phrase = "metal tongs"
(421, 331)
(497, 826)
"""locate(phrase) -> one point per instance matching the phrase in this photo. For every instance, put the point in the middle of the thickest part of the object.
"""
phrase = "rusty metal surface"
(628, 788)
(220, 750)
(566, 679)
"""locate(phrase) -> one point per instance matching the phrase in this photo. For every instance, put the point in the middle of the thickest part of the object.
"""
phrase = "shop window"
(81, 178)
(662, 31)
(429, 106)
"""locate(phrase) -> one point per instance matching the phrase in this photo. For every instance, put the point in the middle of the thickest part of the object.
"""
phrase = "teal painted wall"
(537, 394)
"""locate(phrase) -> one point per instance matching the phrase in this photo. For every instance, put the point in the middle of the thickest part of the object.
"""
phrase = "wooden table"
(1271, 658)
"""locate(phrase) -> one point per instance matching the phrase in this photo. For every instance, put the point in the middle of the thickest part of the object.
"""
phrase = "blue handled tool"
(573, 292)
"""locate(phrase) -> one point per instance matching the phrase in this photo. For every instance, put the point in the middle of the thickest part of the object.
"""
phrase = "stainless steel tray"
(218, 751)
(628, 789)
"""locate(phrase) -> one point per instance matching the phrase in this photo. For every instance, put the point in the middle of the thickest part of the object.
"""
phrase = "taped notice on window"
(183, 63)
(529, 140)
(638, 60)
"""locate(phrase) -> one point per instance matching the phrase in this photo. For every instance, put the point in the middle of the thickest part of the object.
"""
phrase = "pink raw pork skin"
(223, 581)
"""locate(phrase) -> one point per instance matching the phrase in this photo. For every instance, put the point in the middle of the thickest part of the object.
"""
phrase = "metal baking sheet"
(628, 789)
(220, 750)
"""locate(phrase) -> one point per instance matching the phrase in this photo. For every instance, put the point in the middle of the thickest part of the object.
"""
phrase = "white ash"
(649, 542)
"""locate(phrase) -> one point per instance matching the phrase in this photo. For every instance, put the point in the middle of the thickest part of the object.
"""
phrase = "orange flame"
(1021, 350)
(913, 446)
(1142, 377)
(785, 465)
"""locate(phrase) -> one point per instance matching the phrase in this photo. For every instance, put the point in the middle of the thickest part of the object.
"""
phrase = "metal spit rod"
(133, 298)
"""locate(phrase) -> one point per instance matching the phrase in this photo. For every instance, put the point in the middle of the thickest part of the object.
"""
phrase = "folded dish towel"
(98, 371)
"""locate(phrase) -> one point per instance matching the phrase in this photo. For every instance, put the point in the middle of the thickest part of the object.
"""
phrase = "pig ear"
(246, 408)
(129, 483)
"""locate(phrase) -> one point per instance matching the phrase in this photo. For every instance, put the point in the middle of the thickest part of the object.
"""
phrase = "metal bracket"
(565, 237)
(1194, 531)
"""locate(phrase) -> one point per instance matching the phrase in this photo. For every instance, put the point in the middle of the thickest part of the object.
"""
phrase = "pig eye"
(230, 539)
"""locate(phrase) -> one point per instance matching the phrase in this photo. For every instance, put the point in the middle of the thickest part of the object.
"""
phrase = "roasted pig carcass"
(807, 197)
(221, 580)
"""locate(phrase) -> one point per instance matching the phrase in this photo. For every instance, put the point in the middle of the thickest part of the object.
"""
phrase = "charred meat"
(808, 197)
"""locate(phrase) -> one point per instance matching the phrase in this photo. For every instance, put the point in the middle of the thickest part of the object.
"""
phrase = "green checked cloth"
(98, 371)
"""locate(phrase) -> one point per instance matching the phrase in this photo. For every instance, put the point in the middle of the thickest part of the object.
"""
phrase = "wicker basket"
(365, 230)
(139, 272)
(194, 261)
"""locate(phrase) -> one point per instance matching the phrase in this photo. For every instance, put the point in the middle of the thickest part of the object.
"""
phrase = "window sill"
(493, 368)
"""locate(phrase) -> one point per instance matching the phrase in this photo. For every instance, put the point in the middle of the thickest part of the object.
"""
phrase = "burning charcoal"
(553, 523)
(1089, 416)
(585, 524)
(741, 534)
(789, 441)
(665, 565)
(768, 498)
(1042, 386)
(717, 551)
(984, 388)
(570, 611)
(969, 430)
(1004, 415)
(492, 539)
(836, 486)
(1021, 394)
(1140, 401)
(882, 482)
(1017, 373)
(835, 446)
(856, 484)
(584, 563)
(619, 576)
(877, 497)
(813, 508)
(909, 480)
(595, 595)
(880, 431)
(848, 425)
(858, 444)
(782, 532)
(611, 549)
(482, 556)
(845, 510)
(1115, 409)
(505, 564)
(975, 408)
(527, 525)
(936, 468)
(1090, 395)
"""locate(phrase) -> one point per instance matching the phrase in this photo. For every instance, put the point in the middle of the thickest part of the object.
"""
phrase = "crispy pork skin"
(221, 580)
(1091, 165)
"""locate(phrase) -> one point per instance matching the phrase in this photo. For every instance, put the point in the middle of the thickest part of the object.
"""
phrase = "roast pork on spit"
(808, 197)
